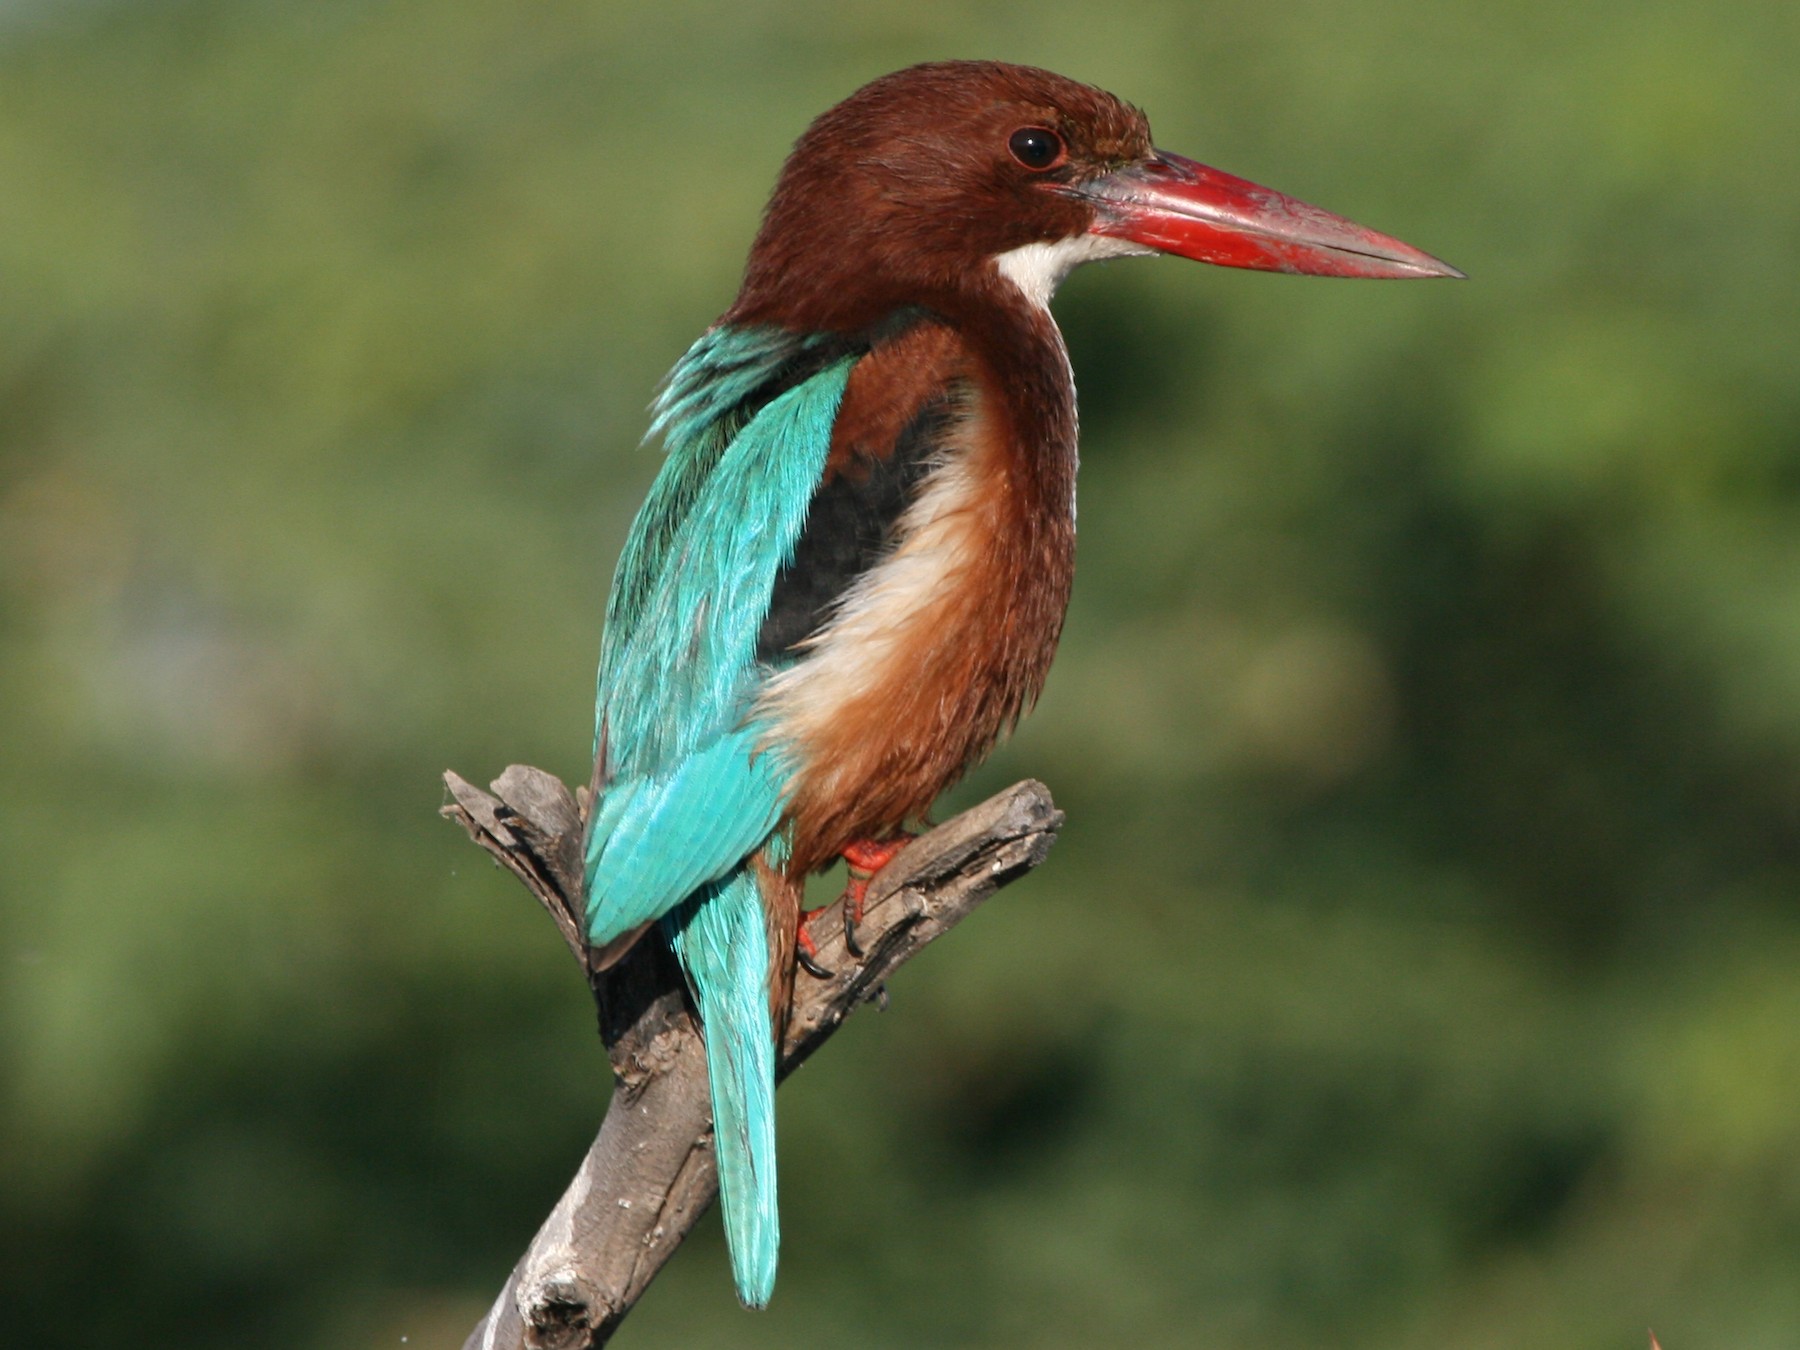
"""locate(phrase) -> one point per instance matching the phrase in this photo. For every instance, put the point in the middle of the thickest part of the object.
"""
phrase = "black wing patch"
(850, 526)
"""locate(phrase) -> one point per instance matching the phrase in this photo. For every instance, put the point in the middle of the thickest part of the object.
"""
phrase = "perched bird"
(850, 574)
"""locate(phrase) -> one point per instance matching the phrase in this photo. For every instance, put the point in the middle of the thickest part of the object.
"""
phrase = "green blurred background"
(1418, 967)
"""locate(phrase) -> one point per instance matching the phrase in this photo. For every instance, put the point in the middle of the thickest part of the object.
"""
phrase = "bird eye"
(1036, 147)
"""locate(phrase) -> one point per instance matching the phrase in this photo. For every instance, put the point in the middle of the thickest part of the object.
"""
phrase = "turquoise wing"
(659, 838)
(687, 793)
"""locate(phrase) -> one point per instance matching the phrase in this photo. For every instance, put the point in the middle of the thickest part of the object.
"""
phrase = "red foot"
(864, 858)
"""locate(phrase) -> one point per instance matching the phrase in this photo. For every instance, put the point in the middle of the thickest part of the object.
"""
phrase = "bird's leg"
(865, 858)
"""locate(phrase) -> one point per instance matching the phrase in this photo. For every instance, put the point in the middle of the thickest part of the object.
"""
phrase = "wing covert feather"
(687, 796)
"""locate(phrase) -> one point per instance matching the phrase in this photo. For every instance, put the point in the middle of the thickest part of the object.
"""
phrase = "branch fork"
(649, 1174)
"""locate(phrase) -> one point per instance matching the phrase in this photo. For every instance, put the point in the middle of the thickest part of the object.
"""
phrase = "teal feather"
(723, 370)
(705, 404)
(678, 661)
(689, 790)
(723, 944)
(679, 670)
(665, 837)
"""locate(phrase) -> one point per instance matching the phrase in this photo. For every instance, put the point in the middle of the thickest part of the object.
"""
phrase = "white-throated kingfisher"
(850, 575)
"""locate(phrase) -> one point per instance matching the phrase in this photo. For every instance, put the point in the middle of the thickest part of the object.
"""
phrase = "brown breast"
(938, 649)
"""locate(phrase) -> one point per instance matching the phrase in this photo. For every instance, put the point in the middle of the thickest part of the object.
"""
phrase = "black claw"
(811, 963)
(851, 945)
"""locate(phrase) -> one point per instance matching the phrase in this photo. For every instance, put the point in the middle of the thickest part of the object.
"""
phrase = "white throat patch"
(1038, 269)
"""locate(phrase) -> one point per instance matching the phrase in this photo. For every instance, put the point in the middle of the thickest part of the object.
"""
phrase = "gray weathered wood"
(649, 1174)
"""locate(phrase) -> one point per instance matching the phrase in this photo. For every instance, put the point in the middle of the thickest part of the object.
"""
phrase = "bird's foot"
(865, 858)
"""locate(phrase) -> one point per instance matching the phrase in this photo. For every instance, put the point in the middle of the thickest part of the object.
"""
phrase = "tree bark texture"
(649, 1174)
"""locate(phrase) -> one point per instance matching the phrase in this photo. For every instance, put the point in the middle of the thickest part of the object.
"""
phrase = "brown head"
(930, 186)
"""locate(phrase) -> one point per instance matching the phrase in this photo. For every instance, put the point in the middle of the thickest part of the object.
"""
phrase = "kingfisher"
(850, 574)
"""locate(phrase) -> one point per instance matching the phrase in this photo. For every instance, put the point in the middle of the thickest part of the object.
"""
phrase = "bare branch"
(649, 1174)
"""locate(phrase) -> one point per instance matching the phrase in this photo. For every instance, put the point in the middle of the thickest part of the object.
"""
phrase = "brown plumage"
(882, 227)
(942, 646)
(923, 605)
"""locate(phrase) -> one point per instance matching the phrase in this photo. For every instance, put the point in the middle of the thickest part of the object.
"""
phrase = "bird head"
(947, 182)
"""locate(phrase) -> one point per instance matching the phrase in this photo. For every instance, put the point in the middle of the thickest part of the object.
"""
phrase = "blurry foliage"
(1418, 968)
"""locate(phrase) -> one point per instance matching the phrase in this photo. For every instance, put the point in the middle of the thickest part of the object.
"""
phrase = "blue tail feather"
(720, 937)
